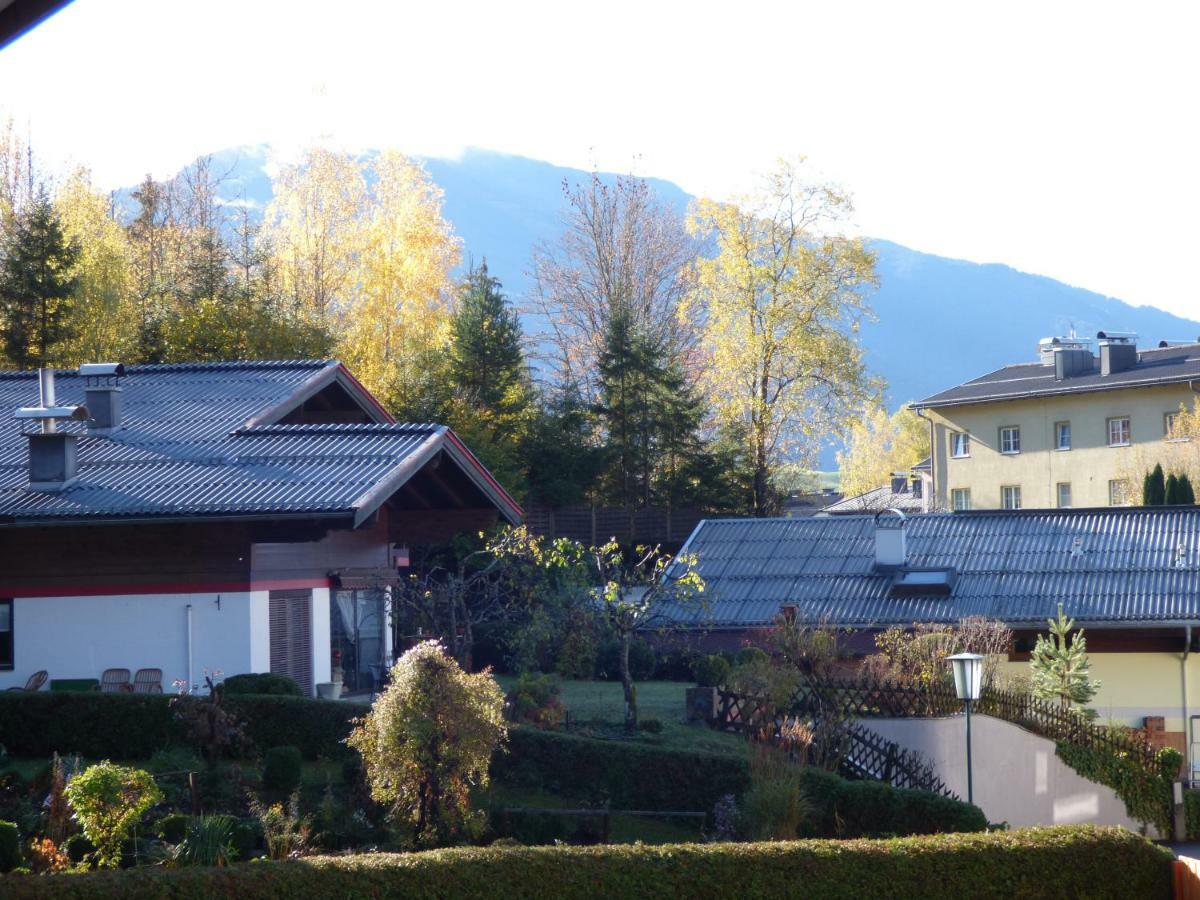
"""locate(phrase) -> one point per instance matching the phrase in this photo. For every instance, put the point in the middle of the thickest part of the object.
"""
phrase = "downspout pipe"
(930, 502)
(190, 681)
(1187, 719)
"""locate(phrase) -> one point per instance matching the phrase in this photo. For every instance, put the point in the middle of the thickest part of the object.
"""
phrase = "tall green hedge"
(852, 809)
(1037, 864)
(135, 726)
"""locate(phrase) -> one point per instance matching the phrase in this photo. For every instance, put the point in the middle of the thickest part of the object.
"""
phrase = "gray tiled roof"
(1169, 365)
(185, 449)
(1130, 565)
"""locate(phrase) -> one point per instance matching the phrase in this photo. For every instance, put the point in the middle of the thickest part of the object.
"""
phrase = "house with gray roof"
(1129, 576)
(236, 517)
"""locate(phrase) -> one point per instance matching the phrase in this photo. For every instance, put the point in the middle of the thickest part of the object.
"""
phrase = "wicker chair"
(148, 681)
(115, 681)
(35, 682)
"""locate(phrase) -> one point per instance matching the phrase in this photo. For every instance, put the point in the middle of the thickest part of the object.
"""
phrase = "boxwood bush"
(852, 809)
(1036, 864)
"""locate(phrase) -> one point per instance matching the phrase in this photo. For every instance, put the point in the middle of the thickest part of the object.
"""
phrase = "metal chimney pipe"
(48, 400)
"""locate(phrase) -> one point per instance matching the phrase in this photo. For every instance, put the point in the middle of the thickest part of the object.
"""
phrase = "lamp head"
(968, 675)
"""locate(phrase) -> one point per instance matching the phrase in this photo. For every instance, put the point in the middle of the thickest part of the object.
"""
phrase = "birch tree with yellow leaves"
(781, 301)
(878, 445)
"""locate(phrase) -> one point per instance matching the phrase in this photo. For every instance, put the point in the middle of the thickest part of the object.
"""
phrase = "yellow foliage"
(878, 445)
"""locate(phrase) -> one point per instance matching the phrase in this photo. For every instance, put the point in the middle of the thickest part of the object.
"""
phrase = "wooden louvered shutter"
(291, 636)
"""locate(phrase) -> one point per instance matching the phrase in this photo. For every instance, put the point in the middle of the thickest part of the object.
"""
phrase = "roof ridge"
(339, 428)
(226, 365)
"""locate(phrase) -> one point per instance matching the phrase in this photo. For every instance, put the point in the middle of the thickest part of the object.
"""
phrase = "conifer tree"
(1171, 495)
(1060, 666)
(1154, 487)
(37, 285)
(487, 365)
(1187, 495)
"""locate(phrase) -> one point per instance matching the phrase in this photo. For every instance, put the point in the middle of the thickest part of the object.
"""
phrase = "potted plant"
(336, 673)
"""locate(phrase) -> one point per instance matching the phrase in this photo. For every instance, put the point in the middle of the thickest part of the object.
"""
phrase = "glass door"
(358, 623)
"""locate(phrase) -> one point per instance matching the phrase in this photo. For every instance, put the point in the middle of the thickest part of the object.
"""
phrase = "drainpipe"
(190, 683)
(1187, 719)
(930, 502)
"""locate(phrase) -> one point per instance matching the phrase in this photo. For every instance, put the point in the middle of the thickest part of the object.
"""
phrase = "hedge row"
(136, 726)
(1072, 861)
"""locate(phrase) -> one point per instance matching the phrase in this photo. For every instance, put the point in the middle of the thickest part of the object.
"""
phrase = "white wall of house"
(1018, 778)
(80, 637)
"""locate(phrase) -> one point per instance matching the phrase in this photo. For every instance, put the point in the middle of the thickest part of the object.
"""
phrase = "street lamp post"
(968, 684)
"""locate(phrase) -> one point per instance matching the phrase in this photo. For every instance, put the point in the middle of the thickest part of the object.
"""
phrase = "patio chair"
(115, 681)
(147, 681)
(35, 682)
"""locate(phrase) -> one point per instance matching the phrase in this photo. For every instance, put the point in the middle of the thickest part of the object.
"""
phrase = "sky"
(1060, 138)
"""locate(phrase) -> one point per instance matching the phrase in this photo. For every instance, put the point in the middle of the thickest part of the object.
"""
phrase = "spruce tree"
(1171, 496)
(1187, 495)
(630, 379)
(37, 285)
(487, 365)
(1154, 487)
(1060, 667)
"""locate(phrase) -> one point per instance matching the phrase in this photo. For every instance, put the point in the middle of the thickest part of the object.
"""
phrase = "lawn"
(602, 702)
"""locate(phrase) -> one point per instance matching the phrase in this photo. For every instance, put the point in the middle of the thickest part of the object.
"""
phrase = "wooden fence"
(595, 524)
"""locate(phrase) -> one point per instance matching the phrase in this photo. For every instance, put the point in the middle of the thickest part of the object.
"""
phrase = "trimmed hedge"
(1037, 864)
(136, 726)
(261, 683)
(853, 809)
(282, 769)
(627, 775)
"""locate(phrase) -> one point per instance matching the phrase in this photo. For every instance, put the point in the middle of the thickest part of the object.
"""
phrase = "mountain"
(940, 321)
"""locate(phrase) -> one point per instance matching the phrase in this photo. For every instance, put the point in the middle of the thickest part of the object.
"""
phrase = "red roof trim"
(387, 416)
(479, 467)
(167, 587)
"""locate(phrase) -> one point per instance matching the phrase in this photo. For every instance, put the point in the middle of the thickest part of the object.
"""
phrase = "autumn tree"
(781, 302)
(878, 445)
(38, 284)
(395, 324)
(622, 250)
(428, 741)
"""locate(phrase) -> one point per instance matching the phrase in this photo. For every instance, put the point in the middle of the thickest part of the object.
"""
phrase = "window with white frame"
(1118, 492)
(1062, 435)
(1118, 431)
(1170, 427)
(1010, 496)
(1064, 494)
(960, 498)
(1010, 439)
(960, 444)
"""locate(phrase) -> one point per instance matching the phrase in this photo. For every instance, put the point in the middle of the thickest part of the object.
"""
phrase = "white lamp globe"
(968, 675)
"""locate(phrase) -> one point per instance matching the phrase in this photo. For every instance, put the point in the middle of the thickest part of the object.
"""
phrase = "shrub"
(1035, 864)
(207, 842)
(46, 856)
(317, 727)
(1191, 814)
(427, 739)
(108, 801)
(78, 848)
(749, 655)
(10, 846)
(642, 660)
(774, 807)
(534, 700)
(268, 683)
(284, 830)
(172, 827)
(578, 645)
(711, 670)
(650, 726)
(282, 769)
(634, 776)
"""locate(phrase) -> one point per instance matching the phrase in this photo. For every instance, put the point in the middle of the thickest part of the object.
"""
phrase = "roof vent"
(103, 392)
(53, 456)
(1118, 351)
(891, 539)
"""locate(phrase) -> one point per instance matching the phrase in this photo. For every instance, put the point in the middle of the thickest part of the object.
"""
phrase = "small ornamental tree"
(108, 801)
(634, 592)
(1060, 666)
(1154, 487)
(427, 740)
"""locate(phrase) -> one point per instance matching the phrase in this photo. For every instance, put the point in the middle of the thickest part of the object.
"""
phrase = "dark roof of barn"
(1106, 566)
(204, 440)
(1169, 365)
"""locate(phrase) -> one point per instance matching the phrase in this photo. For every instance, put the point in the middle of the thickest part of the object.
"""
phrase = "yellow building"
(1073, 429)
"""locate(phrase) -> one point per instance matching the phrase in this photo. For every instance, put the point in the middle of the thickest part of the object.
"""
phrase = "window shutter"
(291, 636)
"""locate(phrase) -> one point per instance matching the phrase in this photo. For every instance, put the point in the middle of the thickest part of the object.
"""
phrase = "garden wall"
(1018, 777)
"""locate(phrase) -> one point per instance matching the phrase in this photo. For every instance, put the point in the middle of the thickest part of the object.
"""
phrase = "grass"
(603, 703)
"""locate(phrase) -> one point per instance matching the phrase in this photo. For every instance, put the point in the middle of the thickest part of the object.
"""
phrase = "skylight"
(922, 583)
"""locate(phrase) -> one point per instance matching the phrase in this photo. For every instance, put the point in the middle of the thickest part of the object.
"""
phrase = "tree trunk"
(627, 684)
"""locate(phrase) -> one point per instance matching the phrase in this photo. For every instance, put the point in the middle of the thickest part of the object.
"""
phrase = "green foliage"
(534, 700)
(78, 848)
(853, 809)
(711, 670)
(650, 726)
(578, 644)
(642, 659)
(207, 841)
(1187, 495)
(270, 683)
(37, 286)
(1148, 795)
(563, 461)
(285, 831)
(1191, 814)
(282, 769)
(748, 655)
(108, 801)
(774, 807)
(1060, 667)
(10, 847)
(427, 740)
(1034, 864)
(1154, 488)
(137, 726)
(173, 827)
(1171, 493)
